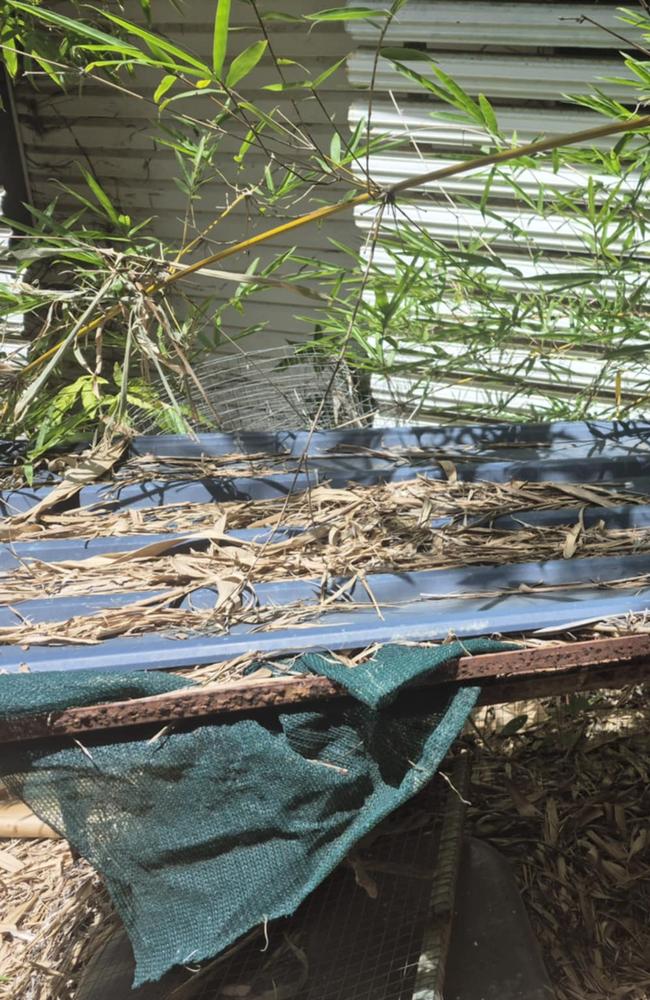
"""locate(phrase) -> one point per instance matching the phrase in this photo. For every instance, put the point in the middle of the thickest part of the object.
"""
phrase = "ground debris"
(346, 534)
(571, 815)
(54, 915)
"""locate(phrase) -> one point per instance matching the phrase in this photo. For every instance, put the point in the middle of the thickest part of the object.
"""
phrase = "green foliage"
(455, 313)
(245, 62)
(220, 39)
(443, 87)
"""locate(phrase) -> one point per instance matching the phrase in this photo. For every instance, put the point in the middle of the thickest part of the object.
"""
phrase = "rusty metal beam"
(598, 677)
(510, 676)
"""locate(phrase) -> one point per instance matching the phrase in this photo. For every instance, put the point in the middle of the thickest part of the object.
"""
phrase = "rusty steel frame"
(503, 677)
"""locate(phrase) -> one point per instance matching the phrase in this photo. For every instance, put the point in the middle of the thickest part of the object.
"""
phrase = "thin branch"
(373, 78)
(388, 194)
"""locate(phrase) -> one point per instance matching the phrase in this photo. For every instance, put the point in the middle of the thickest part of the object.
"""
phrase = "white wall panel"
(501, 76)
(390, 168)
(404, 400)
(462, 23)
(458, 225)
(12, 345)
(527, 57)
(425, 123)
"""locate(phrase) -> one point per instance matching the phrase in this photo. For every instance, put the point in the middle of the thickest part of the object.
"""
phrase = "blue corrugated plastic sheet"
(565, 452)
(415, 606)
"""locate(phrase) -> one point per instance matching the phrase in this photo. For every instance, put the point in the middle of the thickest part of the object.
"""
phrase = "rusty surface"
(186, 704)
(566, 656)
(587, 678)
(504, 677)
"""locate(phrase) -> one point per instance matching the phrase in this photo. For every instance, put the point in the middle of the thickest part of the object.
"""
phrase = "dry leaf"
(93, 466)
(10, 863)
(522, 804)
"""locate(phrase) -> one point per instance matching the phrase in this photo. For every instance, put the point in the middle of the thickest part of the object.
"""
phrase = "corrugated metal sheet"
(533, 78)
(461, 23)
(12, 345)
(381, 607)
(527, 58)
(116, 134)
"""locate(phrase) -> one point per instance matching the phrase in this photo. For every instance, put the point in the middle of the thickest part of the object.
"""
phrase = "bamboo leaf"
(160, 47)
(278, 15)
(314, 84)
(245, 62)
(186, 94)
(489, 116)
(77, 27)
(61, 21)
(163, 87)
(101, 196)
(8, 53)
(514, 725)
(401, 54)
(220, 38)
(347, 14)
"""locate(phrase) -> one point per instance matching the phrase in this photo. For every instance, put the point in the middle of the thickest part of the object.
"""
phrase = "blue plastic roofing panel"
(617, 518)
(429, 604)
(17, 554)
(596, 435)
(629, 470)
(418, 621)
(394, 591)
(14, 502)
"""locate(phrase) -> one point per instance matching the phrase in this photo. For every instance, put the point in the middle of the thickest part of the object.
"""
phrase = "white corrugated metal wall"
(525, 56)
(13, 193)
(12, 346)
(116, 135)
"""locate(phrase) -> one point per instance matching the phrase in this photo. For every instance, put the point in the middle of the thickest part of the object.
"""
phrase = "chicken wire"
(376, 929)
(270, 389)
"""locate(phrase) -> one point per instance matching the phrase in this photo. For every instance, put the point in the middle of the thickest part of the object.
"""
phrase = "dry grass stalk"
(55, 914)
(424, 498)
(369, 543)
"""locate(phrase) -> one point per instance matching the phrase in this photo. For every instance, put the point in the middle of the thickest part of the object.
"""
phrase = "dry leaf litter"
(348, 533)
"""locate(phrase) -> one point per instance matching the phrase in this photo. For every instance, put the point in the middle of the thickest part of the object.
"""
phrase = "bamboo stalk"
(381, 194)
(18, 820)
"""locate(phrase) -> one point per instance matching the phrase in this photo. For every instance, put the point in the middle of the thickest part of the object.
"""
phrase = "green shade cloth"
(391, 669)
(52, 691)
(202, 835)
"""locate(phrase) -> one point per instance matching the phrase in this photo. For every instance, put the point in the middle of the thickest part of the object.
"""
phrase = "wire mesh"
(376, 929)
(272, 389)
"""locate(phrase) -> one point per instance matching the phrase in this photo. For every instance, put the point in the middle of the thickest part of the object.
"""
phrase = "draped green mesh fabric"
(201, 835)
